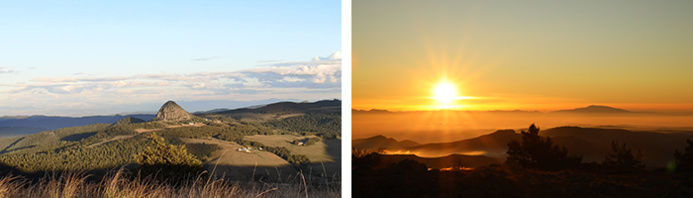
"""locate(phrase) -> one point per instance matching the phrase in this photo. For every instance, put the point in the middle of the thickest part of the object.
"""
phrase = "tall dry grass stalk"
(10, 185)
(122, 184)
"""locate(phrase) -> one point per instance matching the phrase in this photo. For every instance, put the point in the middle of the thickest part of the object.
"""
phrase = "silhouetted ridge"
(382, 142)
(493, 144)
(594, 109)
(443, 162)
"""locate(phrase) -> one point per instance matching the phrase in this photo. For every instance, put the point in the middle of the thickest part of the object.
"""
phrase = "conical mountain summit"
(170, 111)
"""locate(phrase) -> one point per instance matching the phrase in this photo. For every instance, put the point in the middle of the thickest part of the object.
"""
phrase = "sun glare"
(445, 93)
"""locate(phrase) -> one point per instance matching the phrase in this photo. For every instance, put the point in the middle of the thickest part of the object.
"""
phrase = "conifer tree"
(168, 162)
(539, 152)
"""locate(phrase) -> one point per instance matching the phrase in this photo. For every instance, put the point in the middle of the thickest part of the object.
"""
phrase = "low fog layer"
(447, 126)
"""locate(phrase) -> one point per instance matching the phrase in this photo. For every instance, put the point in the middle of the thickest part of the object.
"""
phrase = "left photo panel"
(171, 99)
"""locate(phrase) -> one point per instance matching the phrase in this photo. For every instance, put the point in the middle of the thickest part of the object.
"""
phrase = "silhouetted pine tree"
(540, 152)
(623, 159)
(684, 161)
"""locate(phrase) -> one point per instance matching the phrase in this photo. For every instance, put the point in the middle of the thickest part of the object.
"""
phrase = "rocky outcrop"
(170, 111)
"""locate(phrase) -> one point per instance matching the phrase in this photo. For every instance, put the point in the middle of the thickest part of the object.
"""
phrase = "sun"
(445, 93)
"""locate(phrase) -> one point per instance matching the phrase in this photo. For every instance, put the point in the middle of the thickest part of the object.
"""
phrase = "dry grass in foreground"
(118, 184)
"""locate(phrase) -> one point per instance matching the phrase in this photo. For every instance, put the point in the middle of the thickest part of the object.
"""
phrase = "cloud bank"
(82, 94)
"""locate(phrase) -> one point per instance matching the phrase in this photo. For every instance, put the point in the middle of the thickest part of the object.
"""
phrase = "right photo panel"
(522, 99)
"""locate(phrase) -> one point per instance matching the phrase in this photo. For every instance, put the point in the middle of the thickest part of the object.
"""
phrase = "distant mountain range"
(593, 143)
(23, 125)
(33, 124)
(594, 109)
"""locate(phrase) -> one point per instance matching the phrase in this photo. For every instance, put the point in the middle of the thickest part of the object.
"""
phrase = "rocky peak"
(170, 111)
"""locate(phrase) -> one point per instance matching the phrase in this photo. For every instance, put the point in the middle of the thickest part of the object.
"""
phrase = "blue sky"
(92, 58)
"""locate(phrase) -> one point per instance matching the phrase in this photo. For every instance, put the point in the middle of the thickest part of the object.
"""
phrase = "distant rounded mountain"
(170, 111)
(594, 109)
(382, 142)
(129, 120)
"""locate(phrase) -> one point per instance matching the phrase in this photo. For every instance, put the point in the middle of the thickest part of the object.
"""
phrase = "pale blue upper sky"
(57, 53)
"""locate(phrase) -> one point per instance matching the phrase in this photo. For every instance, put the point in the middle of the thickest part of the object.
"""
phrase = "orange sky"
(508, 55)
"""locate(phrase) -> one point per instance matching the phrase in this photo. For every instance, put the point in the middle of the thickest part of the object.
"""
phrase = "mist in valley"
(447, 126)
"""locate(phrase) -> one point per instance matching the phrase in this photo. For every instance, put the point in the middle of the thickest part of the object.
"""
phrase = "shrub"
(684, 161)
(168, 162)
(623, 159)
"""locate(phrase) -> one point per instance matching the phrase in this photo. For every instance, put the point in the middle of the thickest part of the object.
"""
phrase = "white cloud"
(199, 86)
(4, 70)
(297, 80)
(321, 69)
(253, 83)
(291, 79)
(332, 57)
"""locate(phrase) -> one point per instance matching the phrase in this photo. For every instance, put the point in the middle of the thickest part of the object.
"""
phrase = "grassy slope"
(316, 153)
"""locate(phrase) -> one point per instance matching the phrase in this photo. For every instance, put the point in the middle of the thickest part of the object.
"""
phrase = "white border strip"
(346, 98)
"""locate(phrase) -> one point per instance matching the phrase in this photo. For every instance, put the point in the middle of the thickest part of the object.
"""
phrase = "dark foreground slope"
(408, 178)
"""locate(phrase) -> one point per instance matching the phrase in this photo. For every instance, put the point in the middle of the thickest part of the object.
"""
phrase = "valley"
(591, 143)
(217, 139)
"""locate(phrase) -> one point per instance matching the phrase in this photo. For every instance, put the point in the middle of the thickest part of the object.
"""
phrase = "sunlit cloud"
(310, 80)
(291, 79)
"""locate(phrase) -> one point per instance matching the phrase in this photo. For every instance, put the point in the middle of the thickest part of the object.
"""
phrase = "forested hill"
(111, 145)
(292, 107)
(25, 125)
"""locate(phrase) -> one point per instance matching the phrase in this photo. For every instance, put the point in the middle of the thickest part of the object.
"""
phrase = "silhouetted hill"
(593, 143)
(291, 107)
(493, 145)
(594, 109)
(381, 142)
(658, 148)
(591, 152)
(443, 162)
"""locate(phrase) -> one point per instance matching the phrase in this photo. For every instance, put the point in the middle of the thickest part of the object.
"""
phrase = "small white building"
(244, 149)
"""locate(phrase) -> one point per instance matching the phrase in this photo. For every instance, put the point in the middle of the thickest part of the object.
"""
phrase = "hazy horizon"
(448, 126)
(190, 106)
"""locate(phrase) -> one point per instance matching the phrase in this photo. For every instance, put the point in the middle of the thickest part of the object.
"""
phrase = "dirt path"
(116, 138)
(143, 130)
